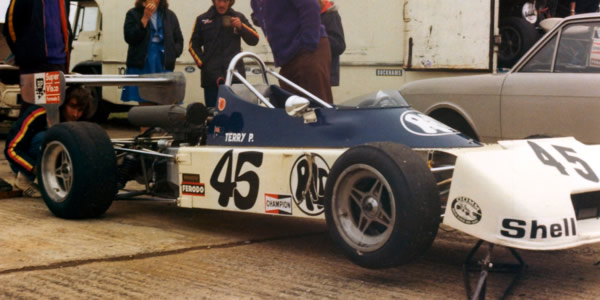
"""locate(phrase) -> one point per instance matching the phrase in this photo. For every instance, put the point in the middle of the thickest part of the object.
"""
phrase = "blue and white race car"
(383, 175)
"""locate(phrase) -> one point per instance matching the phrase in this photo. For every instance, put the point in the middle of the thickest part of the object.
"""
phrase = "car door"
(556, 92)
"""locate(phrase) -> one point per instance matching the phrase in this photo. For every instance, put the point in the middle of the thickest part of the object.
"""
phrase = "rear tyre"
(382, 208)
(518, 36)
(77, 170)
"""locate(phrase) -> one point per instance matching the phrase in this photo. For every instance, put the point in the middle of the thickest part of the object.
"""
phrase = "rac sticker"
(422, 124)
(307, 183)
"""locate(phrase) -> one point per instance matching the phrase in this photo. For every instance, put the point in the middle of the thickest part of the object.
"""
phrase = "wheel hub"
(370, 206)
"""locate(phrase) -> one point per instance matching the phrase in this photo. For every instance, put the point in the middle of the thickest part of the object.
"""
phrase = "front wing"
(540, 194)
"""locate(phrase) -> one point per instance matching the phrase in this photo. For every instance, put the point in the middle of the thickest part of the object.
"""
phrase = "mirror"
(295, 106)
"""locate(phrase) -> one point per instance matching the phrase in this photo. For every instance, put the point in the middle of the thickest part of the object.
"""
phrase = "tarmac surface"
(155, 250)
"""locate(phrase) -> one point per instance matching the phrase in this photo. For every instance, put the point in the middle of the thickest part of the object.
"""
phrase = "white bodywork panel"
(280, 173)
(515, 193)
(449, 34)
(511, 197)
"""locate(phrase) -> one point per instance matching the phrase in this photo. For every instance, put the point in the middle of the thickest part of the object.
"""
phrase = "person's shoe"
(29, 188)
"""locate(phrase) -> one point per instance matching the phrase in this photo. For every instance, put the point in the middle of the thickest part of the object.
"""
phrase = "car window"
(579, 49)
(542, 60)
(87, 20)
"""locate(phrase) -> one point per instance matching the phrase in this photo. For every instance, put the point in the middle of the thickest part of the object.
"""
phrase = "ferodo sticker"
(278, 204)
(466, 210)
(192, 188)
(422, 124)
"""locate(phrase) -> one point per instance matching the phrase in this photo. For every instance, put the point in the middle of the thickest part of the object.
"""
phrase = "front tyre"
(77, 170)
(382, 207)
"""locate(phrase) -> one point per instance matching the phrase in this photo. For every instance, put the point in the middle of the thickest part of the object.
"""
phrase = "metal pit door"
(450, 34)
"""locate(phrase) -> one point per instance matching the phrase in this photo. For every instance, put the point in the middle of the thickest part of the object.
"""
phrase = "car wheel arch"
(454, 117)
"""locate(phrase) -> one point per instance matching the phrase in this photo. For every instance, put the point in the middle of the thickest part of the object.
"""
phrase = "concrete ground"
(142, 250)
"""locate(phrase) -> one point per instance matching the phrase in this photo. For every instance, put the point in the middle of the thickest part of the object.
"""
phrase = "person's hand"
(149, 9)
(236, 23)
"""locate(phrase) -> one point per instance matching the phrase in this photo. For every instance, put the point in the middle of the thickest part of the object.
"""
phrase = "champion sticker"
(466, 210)
(192, 188)
(222, 104)
(422, 124)
(278, 204)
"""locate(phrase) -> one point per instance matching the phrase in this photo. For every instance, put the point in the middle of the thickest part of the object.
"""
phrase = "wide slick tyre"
(383, 207)
(77, 170)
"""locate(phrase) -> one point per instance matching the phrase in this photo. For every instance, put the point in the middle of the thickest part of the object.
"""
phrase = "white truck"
(388, 42)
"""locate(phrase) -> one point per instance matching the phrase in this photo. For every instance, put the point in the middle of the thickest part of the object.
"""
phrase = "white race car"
(382, 175)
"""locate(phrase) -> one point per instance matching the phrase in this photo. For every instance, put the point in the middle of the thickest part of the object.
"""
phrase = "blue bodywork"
(241, 123)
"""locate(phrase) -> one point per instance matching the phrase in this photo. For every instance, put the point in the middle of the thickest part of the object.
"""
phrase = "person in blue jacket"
(155, 41)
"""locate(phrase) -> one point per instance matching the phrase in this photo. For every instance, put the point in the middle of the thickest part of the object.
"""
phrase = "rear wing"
(48, 89)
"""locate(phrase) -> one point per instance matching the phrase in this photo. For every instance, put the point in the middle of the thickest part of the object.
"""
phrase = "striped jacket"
(18, 140)
(25, 32)
(213, 46)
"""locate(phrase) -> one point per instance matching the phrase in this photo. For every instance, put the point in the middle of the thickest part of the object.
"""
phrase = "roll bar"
(232, 72)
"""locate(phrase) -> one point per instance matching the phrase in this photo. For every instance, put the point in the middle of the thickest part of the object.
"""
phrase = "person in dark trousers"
(216, 39)
(39, 35)
(332, 21)
(155, 41)
(298, 41)
(25, 137)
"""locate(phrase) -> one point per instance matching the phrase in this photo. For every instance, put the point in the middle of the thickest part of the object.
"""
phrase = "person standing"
(39, 35)
(216, 39)
(298, 41)
(155, 41)
(332, 21)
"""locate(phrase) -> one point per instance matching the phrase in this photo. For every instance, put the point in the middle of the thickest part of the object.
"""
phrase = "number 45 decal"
(228, 187)
(580, 166)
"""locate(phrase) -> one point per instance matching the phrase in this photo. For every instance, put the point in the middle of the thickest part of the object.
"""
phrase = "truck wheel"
(77, 170)
(518, 36)
(382, 205)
